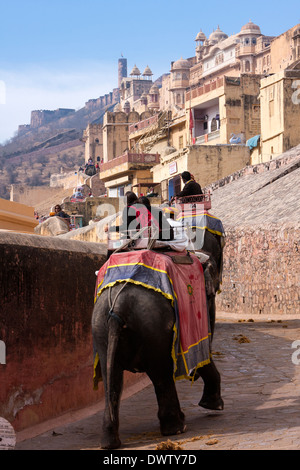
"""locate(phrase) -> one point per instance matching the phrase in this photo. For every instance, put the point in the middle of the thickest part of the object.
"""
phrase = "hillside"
(35, 168)
(36, 153)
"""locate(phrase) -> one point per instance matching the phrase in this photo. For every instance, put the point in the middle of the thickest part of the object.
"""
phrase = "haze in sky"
(61, 53)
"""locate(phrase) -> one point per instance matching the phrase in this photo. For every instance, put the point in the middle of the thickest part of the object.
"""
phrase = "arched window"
(213, 125)
(247, 66)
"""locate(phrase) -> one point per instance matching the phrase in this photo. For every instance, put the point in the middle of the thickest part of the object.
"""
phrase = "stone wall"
(47, 297)
(261, 271)
(94, 208)
(44, 116)
(31, 195)
(97, 186)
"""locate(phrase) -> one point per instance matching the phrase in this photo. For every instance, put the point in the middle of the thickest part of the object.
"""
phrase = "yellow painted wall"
(207, 163)
(280, 113)
(163, 171)
(283, 51)
(210, 163)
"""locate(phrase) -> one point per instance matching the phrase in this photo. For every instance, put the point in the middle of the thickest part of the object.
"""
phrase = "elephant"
(90, 170)
(136, 335)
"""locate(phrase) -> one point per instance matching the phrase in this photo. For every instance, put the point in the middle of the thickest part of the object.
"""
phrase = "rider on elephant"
(138, 214)
(128, 214)
(147, 216)
(191, 187)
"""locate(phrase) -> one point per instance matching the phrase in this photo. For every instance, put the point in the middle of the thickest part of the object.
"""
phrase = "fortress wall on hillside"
(261, 271)
(47, 297)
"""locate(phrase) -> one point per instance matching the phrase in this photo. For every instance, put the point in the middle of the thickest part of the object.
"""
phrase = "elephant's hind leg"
(170, 416)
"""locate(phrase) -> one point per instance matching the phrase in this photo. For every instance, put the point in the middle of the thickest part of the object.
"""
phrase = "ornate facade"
(211, 99)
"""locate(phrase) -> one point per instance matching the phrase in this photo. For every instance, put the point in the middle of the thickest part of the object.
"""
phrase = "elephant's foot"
(169, 427)
(110, 438)
(168, 431)
(212, 402)
(108, 442)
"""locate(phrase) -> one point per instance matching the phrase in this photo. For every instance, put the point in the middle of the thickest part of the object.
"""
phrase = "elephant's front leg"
(110, 428)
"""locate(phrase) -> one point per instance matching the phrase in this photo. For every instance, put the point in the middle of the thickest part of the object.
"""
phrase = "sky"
(61, 53)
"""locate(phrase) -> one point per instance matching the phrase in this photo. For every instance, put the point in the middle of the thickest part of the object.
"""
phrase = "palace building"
(201, 115)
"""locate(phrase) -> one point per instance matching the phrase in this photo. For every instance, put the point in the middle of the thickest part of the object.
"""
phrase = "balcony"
(204, 139)
(138, 126)
(126, 162)
(245, 50)
(203, 89)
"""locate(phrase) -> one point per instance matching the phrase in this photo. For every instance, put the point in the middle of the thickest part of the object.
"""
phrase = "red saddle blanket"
(183, 285)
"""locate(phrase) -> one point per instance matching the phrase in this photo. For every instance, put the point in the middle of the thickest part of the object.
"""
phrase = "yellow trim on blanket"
(186, 376)
(111, 284)
(197, 215)
(209, 229)
(192, 345)
(142, 264)
(96, 360)
(192, 378)
(181, 353)
(173, 354)
(136, 282)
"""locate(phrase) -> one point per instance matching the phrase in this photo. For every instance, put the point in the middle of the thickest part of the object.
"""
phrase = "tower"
(122, 70)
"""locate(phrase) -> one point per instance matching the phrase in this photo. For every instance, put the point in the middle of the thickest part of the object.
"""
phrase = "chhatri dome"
(250, 28)
(147, 72)
(153, 90)
(200, 36)
(217, 36)
(135, 71)
(181, 64)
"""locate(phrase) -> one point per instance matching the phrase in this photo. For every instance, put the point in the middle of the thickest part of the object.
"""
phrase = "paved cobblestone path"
(260, 388)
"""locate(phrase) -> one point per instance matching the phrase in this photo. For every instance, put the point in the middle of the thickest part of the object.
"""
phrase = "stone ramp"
(260, 387)
(261, 195)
